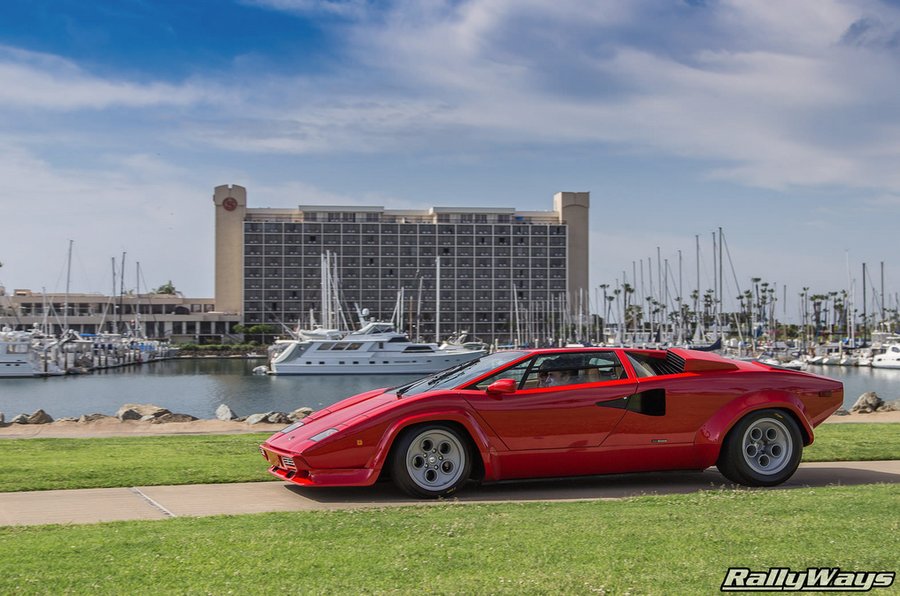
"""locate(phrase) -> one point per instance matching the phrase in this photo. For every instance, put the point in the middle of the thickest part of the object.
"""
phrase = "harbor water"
(198, 387)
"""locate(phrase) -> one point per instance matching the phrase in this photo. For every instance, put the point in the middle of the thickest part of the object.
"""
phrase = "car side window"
(641, 368)
(514, 372)
(579, 368)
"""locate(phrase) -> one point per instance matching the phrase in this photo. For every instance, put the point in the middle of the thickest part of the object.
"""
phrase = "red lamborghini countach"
(562, 412)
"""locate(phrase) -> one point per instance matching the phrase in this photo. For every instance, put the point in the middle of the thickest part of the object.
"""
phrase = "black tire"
(431, 461)
(763, 449)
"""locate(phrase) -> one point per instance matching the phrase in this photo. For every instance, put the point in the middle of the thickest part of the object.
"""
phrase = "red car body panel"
(582, 429)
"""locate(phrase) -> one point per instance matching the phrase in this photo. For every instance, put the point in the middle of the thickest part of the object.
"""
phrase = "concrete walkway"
(160, 502)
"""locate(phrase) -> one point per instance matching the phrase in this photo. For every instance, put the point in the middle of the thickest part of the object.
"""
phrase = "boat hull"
(17, 371)
(377, 366)
(889, 364)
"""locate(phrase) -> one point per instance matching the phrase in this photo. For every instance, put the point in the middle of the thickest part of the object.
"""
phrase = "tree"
(167, 288)
(261, 332)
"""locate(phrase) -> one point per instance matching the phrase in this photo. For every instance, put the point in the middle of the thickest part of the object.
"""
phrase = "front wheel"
(431, 461)
(763, 449)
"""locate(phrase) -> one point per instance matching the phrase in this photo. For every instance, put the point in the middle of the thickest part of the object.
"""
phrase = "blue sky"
(778, 121)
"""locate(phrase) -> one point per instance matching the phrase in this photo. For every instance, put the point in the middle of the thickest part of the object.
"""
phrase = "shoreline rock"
(40, 417)
(159, 415)
(869, 402)
(140, 411)
(223, 412)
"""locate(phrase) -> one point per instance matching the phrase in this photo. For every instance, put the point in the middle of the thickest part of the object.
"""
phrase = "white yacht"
(377, 348)
(890, 358)
(17, 359)
(25, 354)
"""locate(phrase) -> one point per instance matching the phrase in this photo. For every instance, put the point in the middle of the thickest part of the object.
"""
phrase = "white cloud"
(749, 89)
(343, 8)
(756, 102)
(134, 203)
(294, 193)
(749, 92)
(32, 81)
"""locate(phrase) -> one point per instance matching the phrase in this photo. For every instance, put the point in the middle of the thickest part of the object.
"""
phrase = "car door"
(572, 415)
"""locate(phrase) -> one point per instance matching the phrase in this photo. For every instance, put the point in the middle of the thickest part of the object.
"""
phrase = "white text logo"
(814, 579)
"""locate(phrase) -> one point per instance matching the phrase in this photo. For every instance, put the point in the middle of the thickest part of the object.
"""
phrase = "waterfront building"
(156, 316)
(498, 267)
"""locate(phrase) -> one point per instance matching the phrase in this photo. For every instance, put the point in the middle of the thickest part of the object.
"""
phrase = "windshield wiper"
(431, 381)
(403, 389)
(443, 375)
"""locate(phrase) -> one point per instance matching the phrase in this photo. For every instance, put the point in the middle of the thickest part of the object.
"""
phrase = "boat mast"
(864, 305)
(643, 296)
(138, 326)
(721, 280)
(680, 299)
(419, 309)
(848, 312)
(68, 279)
(121, 295)
(665, 306)
(651, 295)
(45, 322)
(659, 287)
(111, 297)
(698, 333)
(437, 306)
(410, 316)
(323, 290)
(715, 287)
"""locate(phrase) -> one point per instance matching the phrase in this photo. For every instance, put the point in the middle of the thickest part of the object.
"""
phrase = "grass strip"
(675, 544)
(42, 464)
(855, 442)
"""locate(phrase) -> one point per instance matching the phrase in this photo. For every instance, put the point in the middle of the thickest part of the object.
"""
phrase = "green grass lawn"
(41, 464)
(677, 544)
(854, 442)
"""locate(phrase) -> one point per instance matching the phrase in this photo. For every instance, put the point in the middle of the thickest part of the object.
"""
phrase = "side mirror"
(502, 387)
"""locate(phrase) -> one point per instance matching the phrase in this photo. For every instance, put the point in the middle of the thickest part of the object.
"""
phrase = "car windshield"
(459, 375)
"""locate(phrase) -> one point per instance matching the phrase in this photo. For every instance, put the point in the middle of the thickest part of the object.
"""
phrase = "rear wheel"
(763, 449)
(431, 461)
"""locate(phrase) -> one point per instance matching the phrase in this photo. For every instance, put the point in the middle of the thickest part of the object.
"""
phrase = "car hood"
(334, 416)
(354, 406)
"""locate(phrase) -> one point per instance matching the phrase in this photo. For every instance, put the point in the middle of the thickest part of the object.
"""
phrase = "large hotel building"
(492, 264)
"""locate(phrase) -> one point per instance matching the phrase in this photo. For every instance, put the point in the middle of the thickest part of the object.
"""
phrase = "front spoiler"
(337, 477)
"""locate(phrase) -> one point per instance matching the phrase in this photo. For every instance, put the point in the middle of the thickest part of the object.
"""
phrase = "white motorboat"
(17, 359)
(23, 354)
(463, 341)
(795, 364)
(890, 358)
(377, 348)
